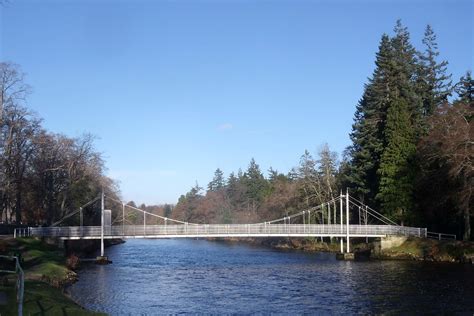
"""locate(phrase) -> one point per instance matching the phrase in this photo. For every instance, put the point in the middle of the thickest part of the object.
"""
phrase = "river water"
(174, 276)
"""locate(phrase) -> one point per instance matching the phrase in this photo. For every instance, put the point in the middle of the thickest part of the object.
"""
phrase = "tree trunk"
(466, 205)
(18, 205)
(467, 224)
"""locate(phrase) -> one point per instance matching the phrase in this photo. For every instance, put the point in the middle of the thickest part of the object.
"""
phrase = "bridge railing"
(20, 283)
(440, 236)
(227, 230)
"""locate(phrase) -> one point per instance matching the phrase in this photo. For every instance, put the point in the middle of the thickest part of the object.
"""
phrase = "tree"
(308, 181)
(187, 205)
(396, 170)
(16, 123)
(274, 176)
(43, 176)
(367, 130)
(18, 130)
(48, 178)
(255, 185)
(449, 147)
(403, 76)
(217, 182)
(167, 210)
(13, 89)
(434, 84)
(327, 166)
(402, 128)
(465, 89)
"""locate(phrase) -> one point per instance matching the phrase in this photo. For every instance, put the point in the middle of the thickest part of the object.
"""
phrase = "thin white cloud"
(225, 127)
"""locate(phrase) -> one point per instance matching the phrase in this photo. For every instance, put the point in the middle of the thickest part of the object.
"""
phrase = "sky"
(175, 89)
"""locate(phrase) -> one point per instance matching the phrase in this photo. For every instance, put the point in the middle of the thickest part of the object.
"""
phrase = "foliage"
(446, 156)
(43, 176)
(251, 197)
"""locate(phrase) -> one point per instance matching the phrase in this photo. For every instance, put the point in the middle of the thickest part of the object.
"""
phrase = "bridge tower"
(102, 259)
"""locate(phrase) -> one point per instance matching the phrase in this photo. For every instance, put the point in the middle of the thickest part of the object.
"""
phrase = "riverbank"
(423, 249)
(47, 273)
(420, 249)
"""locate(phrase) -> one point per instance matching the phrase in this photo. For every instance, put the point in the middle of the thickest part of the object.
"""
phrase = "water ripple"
(150, 277)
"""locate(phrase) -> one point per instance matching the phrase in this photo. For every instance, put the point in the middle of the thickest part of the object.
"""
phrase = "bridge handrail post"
(304, 222)
(342, 220)
(144, 223)
(347, 220)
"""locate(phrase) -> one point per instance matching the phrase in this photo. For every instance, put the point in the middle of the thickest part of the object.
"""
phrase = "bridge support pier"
(348, 256)
(102, 259)
(347, 221)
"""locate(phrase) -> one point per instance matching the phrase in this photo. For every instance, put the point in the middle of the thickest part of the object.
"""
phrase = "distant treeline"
(411, 153)
(43, 175)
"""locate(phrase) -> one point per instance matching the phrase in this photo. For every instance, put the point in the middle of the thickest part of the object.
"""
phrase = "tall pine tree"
(367, 130)
(396, 166)
(217, 182)
(465, 89)
(434, 85)
(402, 127)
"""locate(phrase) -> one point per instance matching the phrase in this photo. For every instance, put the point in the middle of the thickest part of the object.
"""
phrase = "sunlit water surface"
(196, 276)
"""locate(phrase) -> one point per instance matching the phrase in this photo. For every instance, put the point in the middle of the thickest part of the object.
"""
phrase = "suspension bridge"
(343, 217)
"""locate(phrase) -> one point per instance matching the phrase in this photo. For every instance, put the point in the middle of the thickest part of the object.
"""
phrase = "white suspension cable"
(148, 213)
(359, 203)
(312, 209)
(75, 212)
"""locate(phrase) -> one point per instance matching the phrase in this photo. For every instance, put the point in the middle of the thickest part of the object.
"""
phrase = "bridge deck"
(223, 231)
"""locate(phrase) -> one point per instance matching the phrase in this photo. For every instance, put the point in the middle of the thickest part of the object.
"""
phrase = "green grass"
(42, 299)
(11, 306)
(39, 260)
(45, 273)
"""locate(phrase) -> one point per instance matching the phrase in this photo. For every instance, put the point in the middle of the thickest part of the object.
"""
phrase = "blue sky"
(175, 89)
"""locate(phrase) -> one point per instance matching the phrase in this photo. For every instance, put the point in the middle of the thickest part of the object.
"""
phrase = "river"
(174, 276)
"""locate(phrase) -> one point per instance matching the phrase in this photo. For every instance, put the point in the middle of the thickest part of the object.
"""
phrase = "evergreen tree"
(232, 182)
(402, 128)
(255, 183)
(272, 175)
(307, 167)
(217, 182)
(167, 210)
(235, 191)
(367, 129)
(403, 75)
(434, 84)
(465, 89)
(275, 176)
(396, 170)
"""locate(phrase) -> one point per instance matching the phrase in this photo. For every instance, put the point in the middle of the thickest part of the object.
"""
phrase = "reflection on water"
(196, 276)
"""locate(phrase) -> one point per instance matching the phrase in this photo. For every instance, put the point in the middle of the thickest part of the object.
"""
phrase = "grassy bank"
(431, 250)
(46, 274)
(421, 249)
